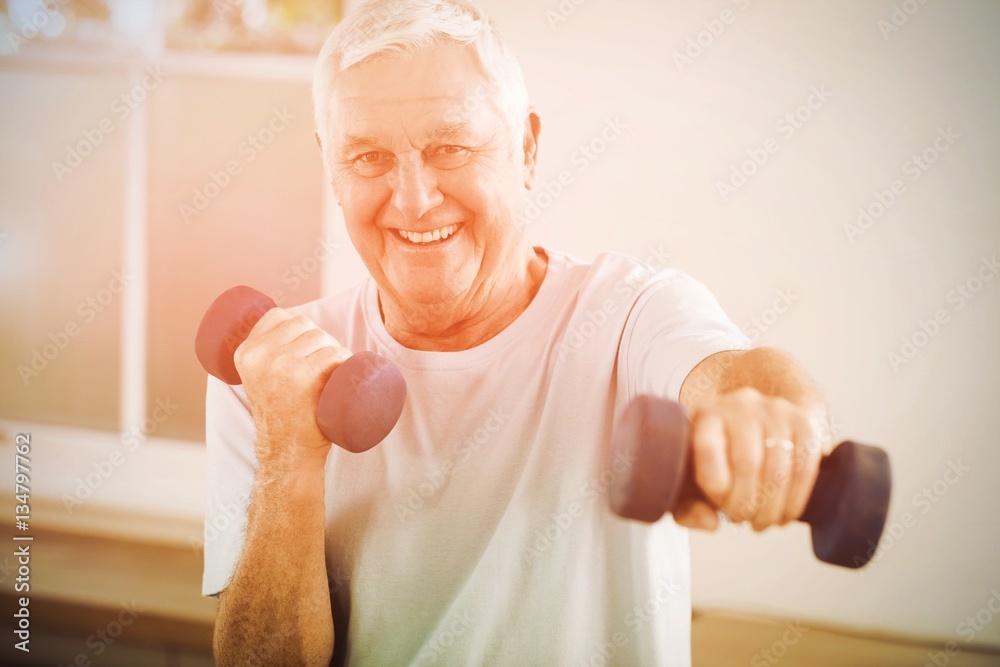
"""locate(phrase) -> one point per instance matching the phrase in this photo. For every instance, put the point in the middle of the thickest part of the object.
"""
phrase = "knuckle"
(777, 411)
(301, 322)
(803, 424)
(746, 394)
(246, 354)
(314, 335)
(272, 318)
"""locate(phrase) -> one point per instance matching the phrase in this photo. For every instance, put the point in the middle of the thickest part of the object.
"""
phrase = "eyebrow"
(354, 142)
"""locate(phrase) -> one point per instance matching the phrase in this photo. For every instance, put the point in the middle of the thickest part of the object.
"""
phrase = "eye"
(373, 163)
(449, 157)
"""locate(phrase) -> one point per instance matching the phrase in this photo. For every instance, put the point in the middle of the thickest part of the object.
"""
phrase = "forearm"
(768, 370)
(276, 609)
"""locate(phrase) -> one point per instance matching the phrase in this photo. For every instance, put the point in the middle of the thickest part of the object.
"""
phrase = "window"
(158, 153)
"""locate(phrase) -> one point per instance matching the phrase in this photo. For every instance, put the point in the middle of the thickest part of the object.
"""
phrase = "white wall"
(784, 230)
(655, 187)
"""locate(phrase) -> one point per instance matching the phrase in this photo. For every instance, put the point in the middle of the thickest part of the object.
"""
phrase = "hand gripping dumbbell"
(847, 508)
(361, 401)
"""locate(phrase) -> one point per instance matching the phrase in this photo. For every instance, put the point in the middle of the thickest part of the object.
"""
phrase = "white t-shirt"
(478, 532)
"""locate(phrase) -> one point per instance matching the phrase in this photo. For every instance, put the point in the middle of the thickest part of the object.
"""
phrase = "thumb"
(696, 514)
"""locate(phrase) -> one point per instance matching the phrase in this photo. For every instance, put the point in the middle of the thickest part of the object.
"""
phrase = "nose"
(414, 186)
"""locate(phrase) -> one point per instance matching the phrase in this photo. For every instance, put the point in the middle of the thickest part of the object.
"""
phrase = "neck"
(470, 319)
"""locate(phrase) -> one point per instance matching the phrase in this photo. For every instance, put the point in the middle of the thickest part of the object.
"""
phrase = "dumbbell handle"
(839, 523)
(361, 401)
(846, 509)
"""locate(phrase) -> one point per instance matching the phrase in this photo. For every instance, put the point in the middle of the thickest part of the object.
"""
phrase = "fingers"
(805, 467)
(711, 459)
(284, 364)
(281, 327)
(776, 474)
(285, 343)
(325, 359)
(746, 457)
(756, 458)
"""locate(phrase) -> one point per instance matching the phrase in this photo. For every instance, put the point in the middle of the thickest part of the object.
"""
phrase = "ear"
(532, 128)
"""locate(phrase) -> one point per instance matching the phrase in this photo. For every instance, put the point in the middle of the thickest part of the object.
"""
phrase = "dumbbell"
(846, 510)
(361, 401)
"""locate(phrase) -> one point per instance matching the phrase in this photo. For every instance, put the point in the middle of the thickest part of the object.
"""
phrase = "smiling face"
(430, 180)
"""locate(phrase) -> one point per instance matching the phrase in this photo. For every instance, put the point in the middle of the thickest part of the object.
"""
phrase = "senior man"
(478, 532)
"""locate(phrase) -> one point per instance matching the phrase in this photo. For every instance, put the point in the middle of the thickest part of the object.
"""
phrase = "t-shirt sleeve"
(230, 438)
(673, 325)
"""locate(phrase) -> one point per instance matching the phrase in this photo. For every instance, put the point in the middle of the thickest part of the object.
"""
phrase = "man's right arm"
(276, 608)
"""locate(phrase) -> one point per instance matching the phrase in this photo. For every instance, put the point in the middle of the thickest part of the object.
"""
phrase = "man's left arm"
(759, 425)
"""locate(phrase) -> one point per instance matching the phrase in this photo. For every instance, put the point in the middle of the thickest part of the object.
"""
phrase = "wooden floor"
(83, 588)
(719, 640)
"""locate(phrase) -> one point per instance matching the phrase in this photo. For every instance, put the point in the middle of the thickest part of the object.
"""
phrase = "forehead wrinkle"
(392, 100)
(450, 130)
(447, 131)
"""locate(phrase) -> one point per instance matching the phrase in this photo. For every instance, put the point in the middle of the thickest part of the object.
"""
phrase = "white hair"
(401, 27)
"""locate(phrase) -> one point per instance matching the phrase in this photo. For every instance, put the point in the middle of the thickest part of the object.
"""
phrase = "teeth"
(440, 233)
